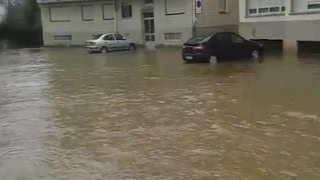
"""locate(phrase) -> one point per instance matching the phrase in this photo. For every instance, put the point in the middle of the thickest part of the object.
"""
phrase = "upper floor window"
(314, 5)
(265, 7)
(148, 1)
(126, 11)
(223, 6)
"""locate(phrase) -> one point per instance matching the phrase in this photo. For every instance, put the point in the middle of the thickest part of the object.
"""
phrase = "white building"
(292, 21)
(162, 22)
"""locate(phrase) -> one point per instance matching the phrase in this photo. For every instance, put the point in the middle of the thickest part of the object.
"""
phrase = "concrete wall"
(290, 26)
(212, 20)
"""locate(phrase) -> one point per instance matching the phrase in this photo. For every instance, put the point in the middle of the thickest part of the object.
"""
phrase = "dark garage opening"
(308, 47)
(271, 46)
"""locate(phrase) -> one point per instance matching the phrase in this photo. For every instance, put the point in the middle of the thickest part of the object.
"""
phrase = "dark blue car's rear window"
(197, 40)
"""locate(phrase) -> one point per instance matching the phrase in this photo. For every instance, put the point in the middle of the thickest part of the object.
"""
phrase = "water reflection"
(66, 114)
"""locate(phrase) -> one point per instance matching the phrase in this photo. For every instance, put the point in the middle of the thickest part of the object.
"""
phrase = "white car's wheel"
(132, 47)
(104, 50)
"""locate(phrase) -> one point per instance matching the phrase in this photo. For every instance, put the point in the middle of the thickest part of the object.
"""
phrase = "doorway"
(149, 30)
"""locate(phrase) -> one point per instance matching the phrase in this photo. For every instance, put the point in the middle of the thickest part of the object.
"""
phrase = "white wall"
(180, 23)
(131, 27)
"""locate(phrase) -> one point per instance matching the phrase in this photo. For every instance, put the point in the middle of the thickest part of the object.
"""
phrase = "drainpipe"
(115, 17)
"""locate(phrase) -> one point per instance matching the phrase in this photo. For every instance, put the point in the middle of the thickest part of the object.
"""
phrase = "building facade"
(159, 22)
(291, 21)
(153, 22)
(217, 15)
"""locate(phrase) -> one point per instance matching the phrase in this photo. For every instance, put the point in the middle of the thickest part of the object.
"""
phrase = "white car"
(109, 42)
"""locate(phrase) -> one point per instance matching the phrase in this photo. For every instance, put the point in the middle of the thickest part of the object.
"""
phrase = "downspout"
(194, 17)
(115, 17)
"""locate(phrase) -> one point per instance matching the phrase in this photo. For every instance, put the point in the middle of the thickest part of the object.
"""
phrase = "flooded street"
(66, 114)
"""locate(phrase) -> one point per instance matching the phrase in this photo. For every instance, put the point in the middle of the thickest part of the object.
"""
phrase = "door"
(121, 42)
(149, 31)
(110, 42)
(239, 46)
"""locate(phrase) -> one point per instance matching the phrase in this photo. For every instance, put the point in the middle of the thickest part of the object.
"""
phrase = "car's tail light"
(199, 49)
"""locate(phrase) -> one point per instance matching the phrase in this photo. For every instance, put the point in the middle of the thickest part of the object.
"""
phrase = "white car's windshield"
(96, 36)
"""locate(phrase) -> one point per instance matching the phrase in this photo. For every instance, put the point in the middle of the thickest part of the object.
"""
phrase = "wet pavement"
(66, 114)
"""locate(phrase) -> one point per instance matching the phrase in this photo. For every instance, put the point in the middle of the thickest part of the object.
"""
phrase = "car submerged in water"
(218, 46)
(109, 42)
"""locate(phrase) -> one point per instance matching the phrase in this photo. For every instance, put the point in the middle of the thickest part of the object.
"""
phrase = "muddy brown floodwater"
(69, 115)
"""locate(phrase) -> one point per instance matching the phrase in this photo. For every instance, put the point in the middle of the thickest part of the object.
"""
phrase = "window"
(109, 37)
(223, 6)
(283, 8)
(58, 14)
(263, 10)
(174, 7)
(172, 36)
(62, 37)
(148, 1)
(126, 11)
(150, 38)
(119, 37)
(313, 5)
(108, 11)
(253, 11)
(274, 9)
(87, 12)
(236, 39)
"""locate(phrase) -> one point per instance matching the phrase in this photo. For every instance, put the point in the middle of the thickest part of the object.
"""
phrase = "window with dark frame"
(274, 9)
(126, 11)
(87, 12)
(263, 10)
(52, 19)
(105, 11)
(223, 6)
(148, 1)
(169, 13)
(253, 11)
(62, 37)
(314, 5)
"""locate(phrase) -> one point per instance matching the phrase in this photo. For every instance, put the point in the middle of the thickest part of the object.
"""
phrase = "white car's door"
(110, 42)
(122, 43)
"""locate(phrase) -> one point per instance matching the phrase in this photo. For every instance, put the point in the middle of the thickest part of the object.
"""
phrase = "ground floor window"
(172, 36)
(62, 37)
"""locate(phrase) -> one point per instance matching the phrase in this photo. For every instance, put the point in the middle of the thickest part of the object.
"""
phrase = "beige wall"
(212, 20)
(79, 29)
